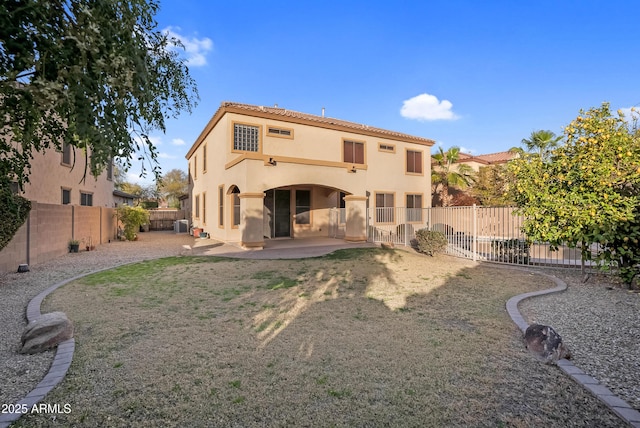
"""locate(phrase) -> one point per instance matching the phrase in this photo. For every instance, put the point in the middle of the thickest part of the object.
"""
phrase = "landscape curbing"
(591, 384)
(59, 366)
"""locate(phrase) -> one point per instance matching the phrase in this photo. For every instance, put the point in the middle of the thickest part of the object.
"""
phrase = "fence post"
(475, 232)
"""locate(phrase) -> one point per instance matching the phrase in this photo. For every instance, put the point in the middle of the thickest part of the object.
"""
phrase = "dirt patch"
(356, 338)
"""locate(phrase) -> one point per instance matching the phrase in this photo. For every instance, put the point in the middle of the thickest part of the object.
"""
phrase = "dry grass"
(357, 338)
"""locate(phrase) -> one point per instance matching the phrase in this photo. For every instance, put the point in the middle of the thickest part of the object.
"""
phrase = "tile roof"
(283, 114)
(499, 157)
(488, 159)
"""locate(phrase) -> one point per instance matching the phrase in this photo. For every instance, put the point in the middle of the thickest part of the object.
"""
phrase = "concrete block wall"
(46, 233)
(49, 232)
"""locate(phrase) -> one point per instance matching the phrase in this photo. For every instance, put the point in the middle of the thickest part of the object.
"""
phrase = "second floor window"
(414, 162)
(353, 152)
(66, 154)
(246, 138)
(204, 158)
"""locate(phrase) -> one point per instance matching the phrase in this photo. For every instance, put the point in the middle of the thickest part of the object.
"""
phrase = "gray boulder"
(45, 332)
(543, 342)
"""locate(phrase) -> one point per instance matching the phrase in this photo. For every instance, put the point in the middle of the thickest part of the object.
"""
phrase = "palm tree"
(540, 143)
(447, 172)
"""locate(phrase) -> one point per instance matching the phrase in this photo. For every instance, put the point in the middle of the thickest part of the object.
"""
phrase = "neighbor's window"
(86, 199)
(195, 167)
(353, 152)
(414, 162)
(66, 196)
(385, 207)
(414, 207)
(303, 207)
(66, 154)
(110, 170)
(220, 206)
(196, 207)
(246, 138)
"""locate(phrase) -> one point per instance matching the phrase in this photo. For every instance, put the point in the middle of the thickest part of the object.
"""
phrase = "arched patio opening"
(304, 211)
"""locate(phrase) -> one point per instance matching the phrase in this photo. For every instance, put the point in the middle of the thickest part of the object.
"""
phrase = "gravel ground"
(21, 373)
(599, 322)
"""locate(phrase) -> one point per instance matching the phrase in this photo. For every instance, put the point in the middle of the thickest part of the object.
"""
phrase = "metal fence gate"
(478, 233)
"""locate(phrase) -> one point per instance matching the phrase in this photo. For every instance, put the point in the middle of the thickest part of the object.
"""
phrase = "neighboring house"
(476, 162)
(266, 172)
(122, 198)
(54, 179)
(461, 197)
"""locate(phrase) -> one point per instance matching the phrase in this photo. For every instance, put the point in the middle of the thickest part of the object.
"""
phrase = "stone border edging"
(61, 361)
(591, 384)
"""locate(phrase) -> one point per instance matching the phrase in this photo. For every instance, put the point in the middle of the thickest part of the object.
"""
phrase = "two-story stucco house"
(266, 172)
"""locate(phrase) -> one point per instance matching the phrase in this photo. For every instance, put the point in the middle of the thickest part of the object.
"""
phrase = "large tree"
(448, 172)
(173, 185)
(492, 185)
(97, 75)
(587, 191)
(540, 143)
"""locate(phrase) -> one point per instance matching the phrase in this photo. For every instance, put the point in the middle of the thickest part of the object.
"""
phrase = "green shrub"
(132, 218)
(15, 210)
(430, 242)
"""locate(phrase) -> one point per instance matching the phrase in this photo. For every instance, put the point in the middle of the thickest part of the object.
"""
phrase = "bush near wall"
(15, 210)
(132, 218)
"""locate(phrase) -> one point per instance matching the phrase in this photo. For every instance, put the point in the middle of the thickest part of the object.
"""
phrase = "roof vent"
(322, 111)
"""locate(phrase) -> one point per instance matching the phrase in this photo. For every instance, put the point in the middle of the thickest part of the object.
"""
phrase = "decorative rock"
(545, 343)
(46, 332)
(22, 268)
(387, 245)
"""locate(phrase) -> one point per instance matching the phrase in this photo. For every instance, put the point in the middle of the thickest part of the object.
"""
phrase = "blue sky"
(480, 75)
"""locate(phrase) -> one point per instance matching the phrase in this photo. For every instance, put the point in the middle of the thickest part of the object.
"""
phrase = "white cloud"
(178, 142)
(163, 155)
(427, 107)
(195, 49)
(135, 178)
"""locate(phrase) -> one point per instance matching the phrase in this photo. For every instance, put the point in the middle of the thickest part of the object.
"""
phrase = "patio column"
(356, 212)
(251, 220)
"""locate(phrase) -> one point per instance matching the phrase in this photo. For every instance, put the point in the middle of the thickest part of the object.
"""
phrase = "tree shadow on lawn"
(361, 337)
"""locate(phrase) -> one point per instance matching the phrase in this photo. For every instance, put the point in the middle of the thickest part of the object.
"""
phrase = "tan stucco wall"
(313, 157)
(49, 176)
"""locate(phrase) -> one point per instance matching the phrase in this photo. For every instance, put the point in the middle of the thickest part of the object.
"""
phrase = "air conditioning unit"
(181, 226)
